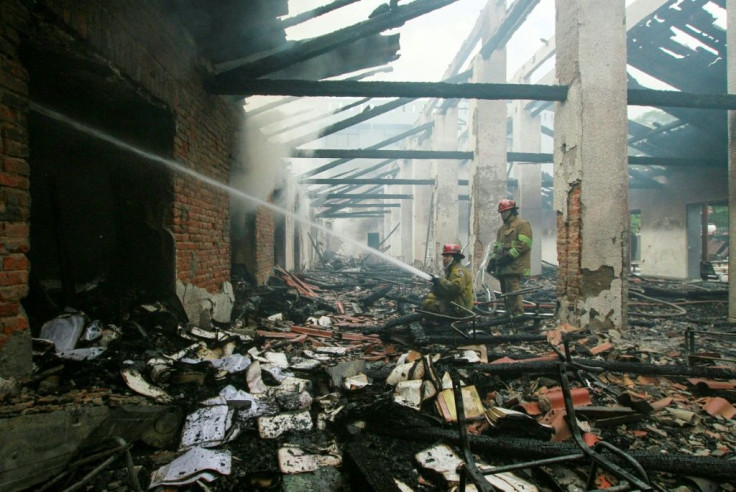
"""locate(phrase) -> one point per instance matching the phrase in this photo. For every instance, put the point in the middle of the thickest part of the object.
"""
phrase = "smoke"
(261, 165)
(355, 230)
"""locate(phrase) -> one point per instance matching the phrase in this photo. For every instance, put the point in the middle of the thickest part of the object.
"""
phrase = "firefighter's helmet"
(452, 249)
(506, 204)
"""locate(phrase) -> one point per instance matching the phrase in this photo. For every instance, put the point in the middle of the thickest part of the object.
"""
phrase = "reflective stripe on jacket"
(514, 239)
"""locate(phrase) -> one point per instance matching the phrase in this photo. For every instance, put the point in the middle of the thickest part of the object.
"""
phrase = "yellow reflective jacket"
(456, 286)
(515, 240)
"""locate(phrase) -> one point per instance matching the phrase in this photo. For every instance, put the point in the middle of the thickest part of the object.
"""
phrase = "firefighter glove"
(435, 280)
(503, 261)
(491, 267)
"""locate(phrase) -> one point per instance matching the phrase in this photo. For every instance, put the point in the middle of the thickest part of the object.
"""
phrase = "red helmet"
(506, 204)
(452, 249)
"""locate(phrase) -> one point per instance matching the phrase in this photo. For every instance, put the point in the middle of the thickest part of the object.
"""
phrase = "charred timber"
(311, 14)
(610, 366)
(311, 48)
(364, 116)
(369, 196)
(380, 154)
(349, 88)
(518, 157)
(531, 449)
(444, 90)
(383, 143)
(368, 181)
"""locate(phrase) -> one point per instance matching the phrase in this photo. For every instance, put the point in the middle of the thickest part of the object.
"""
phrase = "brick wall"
(138, 39)
(264, 260)
(568, 247)
(15, 342)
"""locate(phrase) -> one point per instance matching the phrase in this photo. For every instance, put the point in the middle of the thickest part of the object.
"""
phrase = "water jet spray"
(176, 167)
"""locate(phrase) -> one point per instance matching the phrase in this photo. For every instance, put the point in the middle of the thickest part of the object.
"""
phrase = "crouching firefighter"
(510, 257)
(455, 287)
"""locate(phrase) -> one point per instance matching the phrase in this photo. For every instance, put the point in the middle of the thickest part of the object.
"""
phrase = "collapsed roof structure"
(125, 160)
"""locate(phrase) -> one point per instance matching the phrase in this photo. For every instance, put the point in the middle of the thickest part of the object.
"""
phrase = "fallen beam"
(611, 366)
(527, 449)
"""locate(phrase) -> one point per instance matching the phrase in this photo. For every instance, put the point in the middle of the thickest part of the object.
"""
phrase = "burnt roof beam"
(314, 13)
(383, 143)
(519, 157)
(536, 92)
(311, 48)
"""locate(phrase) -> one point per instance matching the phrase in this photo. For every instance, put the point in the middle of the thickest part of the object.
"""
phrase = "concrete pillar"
(421, 169)
(394, 217)
(289, 226)
(527, 138)
(406, 229)
(591, 176)
(731, 70)
(445, 173)
(487, 173)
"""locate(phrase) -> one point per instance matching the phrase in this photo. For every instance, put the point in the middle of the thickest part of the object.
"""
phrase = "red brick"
(14, 181)
(14, 229)
(16, 166)
(13, 324)
(13, 278)
(14, 245)
(15, 262)
(13, 293)
(8, 309)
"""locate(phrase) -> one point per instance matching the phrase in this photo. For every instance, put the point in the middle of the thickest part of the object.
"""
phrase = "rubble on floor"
(325, 380)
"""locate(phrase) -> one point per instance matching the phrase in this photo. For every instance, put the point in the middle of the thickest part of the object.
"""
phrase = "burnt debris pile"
(333, 379)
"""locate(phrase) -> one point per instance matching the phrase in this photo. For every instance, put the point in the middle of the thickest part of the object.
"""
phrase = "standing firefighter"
(511, 254)
(455, 287)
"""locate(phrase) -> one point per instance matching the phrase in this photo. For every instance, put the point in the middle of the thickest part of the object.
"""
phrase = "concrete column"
(446, 188)
(406, 229)
(421, 169)
(527, 138)
(289, 226)
(731, 70)
(394, 219)
(591, 177)
(487, 173)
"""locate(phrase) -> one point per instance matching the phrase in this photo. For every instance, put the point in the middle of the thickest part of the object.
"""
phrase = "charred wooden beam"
(226, 82)
(369, 181)
(311, 14)
(364, 116)
(380, 154)
(414, 90)
(369, 196)
(330, 209)
(320, 116)
(612, 366)
(366, 463)
(355, 215)
(319, 196)
(287, 100)
(677, 99)
(518, 157)
(348, 122)
(520, 448)
(383, 143)
(444, 90)
(514, 18)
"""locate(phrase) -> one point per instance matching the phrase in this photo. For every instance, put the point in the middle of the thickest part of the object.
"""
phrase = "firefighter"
(510, 257)
(455, 287)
